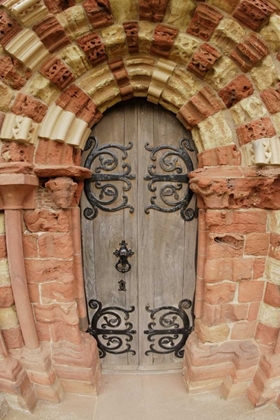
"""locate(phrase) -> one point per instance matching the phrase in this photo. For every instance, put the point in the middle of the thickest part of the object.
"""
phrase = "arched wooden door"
(139, 195)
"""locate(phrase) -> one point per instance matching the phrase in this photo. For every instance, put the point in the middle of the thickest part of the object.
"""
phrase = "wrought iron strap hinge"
(171, 327)
(106, 328)
(176, 163)
(102, 177)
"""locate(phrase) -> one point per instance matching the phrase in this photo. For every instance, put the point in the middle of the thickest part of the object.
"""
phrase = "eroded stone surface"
(203, 60)
(179, 13)
(204, 21)
(253, 13)
(152, 11)
(265, 74)
(235, 91)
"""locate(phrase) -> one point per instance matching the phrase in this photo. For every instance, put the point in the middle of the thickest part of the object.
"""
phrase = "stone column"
(14, 189)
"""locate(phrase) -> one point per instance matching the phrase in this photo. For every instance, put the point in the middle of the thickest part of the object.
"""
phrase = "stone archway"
(214, 65)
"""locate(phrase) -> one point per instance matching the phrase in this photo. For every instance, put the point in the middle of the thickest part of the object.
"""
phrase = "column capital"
(17, 191)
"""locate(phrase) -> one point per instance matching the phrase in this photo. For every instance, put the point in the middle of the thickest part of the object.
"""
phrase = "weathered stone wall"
(214, 64)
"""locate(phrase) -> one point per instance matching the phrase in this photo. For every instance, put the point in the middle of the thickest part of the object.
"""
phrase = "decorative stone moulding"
(264, 151)
(227, 35)
(153, 11)
(253, 13)
(74, 21)
(17, 127)
(27, 11)
(161, 74)
(249, 52)
(204, 21)
(28, 48)
(63, 126)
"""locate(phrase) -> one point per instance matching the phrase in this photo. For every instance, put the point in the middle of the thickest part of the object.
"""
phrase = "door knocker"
(123, 254)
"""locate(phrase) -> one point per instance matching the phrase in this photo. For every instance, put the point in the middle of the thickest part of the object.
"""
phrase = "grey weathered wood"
(163, 266)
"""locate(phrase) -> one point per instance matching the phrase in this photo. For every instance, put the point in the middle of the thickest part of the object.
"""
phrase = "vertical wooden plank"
(146, 226)
(131, 226)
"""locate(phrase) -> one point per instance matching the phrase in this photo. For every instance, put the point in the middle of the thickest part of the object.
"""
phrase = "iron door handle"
(123, 253)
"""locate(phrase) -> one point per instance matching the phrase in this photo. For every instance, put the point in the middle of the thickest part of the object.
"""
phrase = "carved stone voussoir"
(204, 21)
(203, 60)
(253, 13)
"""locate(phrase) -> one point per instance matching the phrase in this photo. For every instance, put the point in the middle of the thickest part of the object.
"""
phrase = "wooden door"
(129, 139)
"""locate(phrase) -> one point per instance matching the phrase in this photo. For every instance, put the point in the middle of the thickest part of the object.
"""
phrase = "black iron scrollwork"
(173, 329)
(175, 175)
(109, 193)
(123, 266)
(105, 329)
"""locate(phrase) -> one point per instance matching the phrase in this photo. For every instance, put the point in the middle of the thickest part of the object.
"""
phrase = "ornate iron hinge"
(109, 192)
(176, 163)
(105, 329)
(171, 327)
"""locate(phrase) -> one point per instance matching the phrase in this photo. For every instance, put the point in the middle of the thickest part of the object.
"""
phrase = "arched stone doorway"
(62, 67)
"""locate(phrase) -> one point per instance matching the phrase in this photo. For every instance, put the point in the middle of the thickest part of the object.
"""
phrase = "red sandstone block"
(243, 330)
(271, 98)
(12, 151)
(259, 267)
(29, 107)
(57, 292)
(274, 249)
(250, 291)
(203, 60)
(225, 246)
(13, 72)
(253, 311)
(56, 6)
(6, 297)
(42, 378)
(46, 220)
(49, 314)
(164, 37)
(73, 355)
(249, 52)
(152, 11)
(219, 293)
(43, 331)
(272, 295)
(34, 293)
(51, 33)
(58, 245)
(57, 72)
(253, 13)
(13, 338)
(74, 373)
(99, 12)
(204, 21)
(225, 155)
(119, 71)
(217, 270)
(61, 331)
(3, 250)
(132, 38)
(238, 89)
(40, 271)
(267, 335)
(257, 244)
(73, 99)
(30, 247)
(9, 28)
(54, 153)
(223, 314)
(93, 47)
(245, 221)
(254, 130)
(202, 105)
(243, 268)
